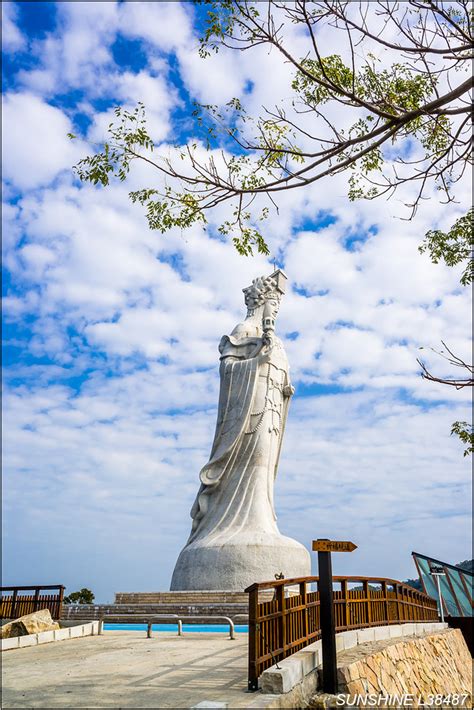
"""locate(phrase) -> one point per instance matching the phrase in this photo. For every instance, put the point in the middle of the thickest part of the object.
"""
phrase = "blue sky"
(111, 331)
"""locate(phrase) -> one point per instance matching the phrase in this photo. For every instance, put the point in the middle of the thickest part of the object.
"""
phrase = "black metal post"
(328, 627)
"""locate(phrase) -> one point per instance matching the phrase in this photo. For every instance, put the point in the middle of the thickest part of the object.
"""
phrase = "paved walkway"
(124, 669)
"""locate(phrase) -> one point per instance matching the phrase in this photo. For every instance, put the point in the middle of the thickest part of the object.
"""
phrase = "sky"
(111, 330)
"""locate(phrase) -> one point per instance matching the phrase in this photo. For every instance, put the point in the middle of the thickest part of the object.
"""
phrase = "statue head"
(264, 296)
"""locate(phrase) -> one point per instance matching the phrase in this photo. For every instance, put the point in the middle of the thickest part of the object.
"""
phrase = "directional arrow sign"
(333, 546)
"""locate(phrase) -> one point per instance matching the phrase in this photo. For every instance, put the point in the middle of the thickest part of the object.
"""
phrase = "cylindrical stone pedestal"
(238, 563)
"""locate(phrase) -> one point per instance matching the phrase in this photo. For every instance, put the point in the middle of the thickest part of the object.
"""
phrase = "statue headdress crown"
(263, 288)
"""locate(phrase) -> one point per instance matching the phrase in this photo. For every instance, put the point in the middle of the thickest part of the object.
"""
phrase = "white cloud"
(35, 144)
(129, 89)
(165, 26)
(12, 38)
(364, 462)
(78, 53)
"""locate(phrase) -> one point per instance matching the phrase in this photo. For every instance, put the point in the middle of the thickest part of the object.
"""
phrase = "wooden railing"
(19, 602)
(291, 620)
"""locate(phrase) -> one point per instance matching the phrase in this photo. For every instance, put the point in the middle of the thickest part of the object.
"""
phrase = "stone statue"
(234, 539)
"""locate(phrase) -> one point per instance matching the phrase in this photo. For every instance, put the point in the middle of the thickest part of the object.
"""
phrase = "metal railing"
(291, 620)
(19, 604)
(169, 619)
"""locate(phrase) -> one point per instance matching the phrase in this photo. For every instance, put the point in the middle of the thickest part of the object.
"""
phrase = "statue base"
(239, 562)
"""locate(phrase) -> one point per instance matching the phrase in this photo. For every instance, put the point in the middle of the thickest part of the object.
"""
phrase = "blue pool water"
(200, 628)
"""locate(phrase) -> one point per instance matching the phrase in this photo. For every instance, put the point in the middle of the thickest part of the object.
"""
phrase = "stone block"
(436, 626)
(210, 704)
(46, 636)
(408, 629)
(62, 634)
(339, 642)
(318, 655)
(382, 633)
(291, 671)
(29, 640)
(350, 639)
(309, 660)
(8, 644)
(365, 635)
(395, 631)
(279, 680)
(76, 631)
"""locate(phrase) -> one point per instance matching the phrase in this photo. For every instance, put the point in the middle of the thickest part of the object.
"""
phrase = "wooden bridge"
(291, 620)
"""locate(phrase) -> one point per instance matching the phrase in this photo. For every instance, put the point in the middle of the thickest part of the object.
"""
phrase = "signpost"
(326, 602)
(333, 546)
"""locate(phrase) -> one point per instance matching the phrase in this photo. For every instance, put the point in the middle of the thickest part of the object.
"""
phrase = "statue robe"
(236, 492)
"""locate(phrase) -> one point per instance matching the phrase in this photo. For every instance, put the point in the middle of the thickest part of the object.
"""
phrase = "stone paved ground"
(124, 669)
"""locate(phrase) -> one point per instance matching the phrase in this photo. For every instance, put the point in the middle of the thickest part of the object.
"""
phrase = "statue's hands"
(288, 390)
(267, 339)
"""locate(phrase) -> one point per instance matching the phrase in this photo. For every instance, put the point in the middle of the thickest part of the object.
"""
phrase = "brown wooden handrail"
(16, 605)
(283, 625)
(336, 578)
(32, 586)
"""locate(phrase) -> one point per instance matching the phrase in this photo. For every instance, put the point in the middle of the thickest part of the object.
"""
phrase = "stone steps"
(89, 612)
(181, 597)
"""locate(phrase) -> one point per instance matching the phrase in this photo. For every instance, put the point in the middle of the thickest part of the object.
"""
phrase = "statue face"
(272, 308)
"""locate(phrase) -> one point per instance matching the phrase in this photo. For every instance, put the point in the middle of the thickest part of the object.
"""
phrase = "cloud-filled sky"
(111, 330)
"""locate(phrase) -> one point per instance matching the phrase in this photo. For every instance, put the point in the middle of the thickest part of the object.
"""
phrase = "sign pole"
(328, 627)
(324, 547)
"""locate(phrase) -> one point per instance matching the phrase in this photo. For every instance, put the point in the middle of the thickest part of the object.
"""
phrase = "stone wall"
(213, 603)
(91, 612)
(423, 668)
(438, 663)
(182, 598)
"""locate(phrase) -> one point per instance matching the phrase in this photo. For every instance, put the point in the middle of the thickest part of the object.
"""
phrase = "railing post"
(304, 602)
(384, 592)
(36, 600)
(14, 596)
(282, 618)
(367, 597)
(60, 603)
(397, 595)
(253, 638)
(345, 594)
(409, 605)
